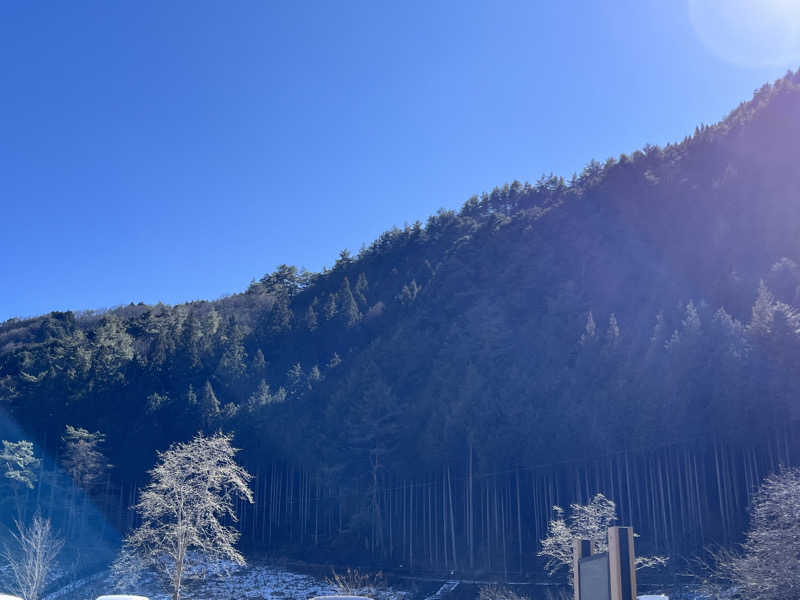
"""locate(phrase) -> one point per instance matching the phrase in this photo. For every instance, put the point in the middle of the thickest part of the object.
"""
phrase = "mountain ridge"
(648, 302)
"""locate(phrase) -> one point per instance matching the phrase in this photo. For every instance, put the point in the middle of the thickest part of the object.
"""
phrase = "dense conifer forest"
(633, 330)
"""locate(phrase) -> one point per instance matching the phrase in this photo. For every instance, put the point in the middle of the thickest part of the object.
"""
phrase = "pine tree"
(284, 280)
(344, 260)
(233, 362)
(19, 470)
(297, 379)
(612, 333)
(360, 289)
(763, 311)
(590, 331)
(191, 335)
(258, 365)
(281, 315)
(209, 405)
(335, 361)
(82, 457)
(409, 292)
(329, 309)
(260, 397)
(191, 397)
(349, 312)
(311, 317)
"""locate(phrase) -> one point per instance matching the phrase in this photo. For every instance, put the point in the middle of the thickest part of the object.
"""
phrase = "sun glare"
(751, 33)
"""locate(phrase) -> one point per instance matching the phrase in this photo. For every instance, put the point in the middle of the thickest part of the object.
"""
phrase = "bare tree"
(767, 567)
(191, 492)
(585, 522)
(33, 557)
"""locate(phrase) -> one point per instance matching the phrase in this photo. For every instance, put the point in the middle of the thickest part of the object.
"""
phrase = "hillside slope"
(630, 331)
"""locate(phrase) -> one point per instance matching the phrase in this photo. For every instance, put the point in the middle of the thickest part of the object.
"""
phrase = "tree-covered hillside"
(425, 402)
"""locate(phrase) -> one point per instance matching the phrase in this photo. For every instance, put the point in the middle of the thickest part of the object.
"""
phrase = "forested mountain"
(632, 330)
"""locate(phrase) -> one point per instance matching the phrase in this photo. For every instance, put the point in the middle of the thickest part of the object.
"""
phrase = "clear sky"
(174, 150)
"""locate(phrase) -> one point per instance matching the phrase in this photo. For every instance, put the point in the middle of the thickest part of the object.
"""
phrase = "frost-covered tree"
(182, 510)
(768, 565)
(590, 333)
(19, 463)
(85, 463)
(32, 556)
(82, 457)
(19, 470)
(585, 522)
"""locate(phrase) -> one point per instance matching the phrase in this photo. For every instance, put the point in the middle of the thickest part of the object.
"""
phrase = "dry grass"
(355, 583)
(499, 592)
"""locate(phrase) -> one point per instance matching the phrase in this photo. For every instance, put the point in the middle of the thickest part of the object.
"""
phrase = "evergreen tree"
(360, 289)
(82, 457)
(335, 361)
(763, 311)
(209, 405)
(258, 365)
(113, 348)
(612, 333)
(314, 375)
(233, 362)
(281, 315)
(191, 336)
(329, 309)
(260, 397)
(191, 397)
(409, 292)
(344, 260)
(297, 380)
(19, 471)
(311, 317)
(284, 280)
(348, 312)
(590, 331)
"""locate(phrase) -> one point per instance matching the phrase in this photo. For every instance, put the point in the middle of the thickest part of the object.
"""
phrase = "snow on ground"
(257, 582)
(7, 582)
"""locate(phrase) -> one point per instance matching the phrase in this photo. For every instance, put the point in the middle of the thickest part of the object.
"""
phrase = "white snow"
(257, 582)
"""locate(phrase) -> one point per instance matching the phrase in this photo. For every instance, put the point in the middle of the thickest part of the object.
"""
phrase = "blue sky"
(174, 150)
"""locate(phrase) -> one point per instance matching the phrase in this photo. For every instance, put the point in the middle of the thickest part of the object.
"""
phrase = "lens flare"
(749, 33)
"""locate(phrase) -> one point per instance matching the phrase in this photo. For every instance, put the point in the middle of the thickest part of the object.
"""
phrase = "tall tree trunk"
(471, 518)
(519, 525)
(720, 494)
(452, 521)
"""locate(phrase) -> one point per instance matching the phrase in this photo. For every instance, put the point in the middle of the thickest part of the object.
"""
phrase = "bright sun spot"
(751, 33)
